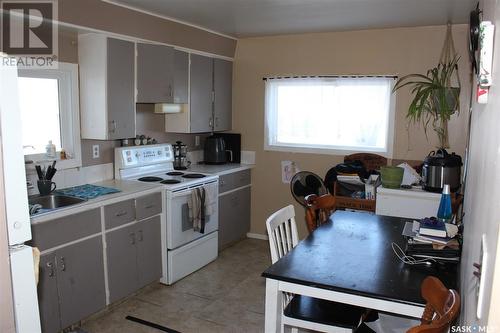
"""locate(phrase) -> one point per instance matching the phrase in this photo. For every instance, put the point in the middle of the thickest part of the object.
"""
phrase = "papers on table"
(438, 248)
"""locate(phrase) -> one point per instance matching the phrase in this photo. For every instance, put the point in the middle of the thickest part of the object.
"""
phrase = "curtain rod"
(326, 76)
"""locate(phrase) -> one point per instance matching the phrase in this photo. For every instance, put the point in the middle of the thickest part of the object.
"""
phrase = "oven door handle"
(182, 193)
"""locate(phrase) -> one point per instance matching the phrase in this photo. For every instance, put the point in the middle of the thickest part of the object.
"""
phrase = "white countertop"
(219, 169)
(129, 190)
(415, 191)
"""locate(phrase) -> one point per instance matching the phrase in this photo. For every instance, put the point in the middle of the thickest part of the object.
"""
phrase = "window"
(48, 100)
(334, 115)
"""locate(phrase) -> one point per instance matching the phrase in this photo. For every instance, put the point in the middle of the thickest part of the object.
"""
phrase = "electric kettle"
(215, 150)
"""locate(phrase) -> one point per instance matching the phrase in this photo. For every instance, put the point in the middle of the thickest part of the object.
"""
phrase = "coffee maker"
(180, 159)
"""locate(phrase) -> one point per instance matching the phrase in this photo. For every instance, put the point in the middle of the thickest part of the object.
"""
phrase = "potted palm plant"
(435, 99)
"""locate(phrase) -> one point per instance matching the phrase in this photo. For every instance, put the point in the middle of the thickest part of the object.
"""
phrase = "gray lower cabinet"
(149, 251)
(133, 257)
(234, 216)
(71, 284)
(121, 259)
(48, 299)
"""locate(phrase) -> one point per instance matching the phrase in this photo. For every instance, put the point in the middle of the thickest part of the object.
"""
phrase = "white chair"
(302, 311)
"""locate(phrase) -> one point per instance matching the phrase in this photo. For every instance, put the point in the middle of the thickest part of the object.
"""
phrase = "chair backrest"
(318, 210)
(370, 161)
(282, 231)
(442, 307)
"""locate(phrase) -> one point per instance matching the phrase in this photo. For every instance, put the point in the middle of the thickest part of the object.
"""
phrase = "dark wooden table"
(350, 260)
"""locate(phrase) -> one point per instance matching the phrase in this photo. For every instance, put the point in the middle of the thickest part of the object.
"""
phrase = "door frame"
(7, 320)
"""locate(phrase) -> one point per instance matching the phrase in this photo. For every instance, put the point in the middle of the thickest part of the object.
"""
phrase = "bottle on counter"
(50, 150)
(444, 212)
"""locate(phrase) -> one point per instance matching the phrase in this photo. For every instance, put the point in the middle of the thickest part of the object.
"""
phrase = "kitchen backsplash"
(75, 176)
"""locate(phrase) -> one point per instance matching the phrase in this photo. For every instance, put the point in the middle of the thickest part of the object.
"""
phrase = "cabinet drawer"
(119, 213)
(241, 178)
(66, 229)
(225, 183)
(234, 180)
(148, 205)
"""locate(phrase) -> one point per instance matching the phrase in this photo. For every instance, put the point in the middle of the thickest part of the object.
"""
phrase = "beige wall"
(386, 51)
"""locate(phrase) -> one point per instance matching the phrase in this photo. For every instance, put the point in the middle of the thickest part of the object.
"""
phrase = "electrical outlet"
(197, 140)
(95, 151)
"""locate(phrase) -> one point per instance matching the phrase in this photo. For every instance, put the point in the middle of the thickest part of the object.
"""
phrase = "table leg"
(274, 307)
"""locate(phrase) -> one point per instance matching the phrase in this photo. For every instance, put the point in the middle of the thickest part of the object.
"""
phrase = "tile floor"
(225, 296)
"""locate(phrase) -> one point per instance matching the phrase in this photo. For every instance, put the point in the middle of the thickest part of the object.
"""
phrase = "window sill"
(324, 151)
(60, 164)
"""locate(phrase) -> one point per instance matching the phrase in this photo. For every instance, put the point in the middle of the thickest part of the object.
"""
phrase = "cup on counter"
(45, 187)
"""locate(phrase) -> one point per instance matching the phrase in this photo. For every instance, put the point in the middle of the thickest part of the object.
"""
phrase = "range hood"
(168, 108)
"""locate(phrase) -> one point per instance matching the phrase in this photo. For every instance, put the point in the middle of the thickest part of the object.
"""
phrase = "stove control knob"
(159, 152)
(137, 154)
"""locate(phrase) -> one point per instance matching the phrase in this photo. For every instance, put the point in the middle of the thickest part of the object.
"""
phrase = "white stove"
(185, 249)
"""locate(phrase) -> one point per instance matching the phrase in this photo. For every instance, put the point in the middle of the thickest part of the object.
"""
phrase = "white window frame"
(69, 113)
(327, 150)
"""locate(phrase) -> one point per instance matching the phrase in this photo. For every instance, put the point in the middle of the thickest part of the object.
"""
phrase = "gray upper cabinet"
(210, 97)
(201, 94)
(107, 81)
(120, 83)
(223, 82)
(162, 74)
(181, 77)
(155, 73)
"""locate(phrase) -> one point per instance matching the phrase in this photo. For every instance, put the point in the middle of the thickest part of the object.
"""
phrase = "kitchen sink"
(54, 201)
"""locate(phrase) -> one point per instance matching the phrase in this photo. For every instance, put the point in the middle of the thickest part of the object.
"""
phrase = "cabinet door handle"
(140, 235)
(122, 213)
(222, 182)
(63, 264)
(216, 121)
(132, 238)
(149, 206)
(112, 128)
(210, 122)
(170, 90)
(50, 266)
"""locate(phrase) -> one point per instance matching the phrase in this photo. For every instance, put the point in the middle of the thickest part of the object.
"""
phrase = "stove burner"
(193, 175)
(175, 173)
(150, 179)
(170, 181)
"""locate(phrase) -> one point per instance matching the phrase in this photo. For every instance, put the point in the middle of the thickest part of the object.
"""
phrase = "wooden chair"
(318, 210)
(442, 308)
(302, 311)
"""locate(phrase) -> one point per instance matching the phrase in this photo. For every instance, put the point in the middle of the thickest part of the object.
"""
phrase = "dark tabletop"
(353, 254)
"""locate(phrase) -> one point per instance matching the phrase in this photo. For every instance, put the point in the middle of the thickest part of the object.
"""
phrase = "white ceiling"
(244, 18)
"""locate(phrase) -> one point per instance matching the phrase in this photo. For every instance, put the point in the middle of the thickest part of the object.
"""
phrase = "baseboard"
(257, 236)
